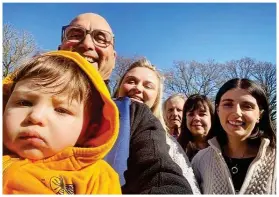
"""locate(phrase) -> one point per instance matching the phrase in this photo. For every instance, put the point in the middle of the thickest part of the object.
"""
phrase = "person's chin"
(176, 124)
(174, 127)
(32, 154)
(136, 100)
(199, 132)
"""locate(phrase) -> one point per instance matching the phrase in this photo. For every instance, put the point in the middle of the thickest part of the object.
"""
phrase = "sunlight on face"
(102, 58)
(199, 121)
(174, 109)
(37, 125)
(238, 112)
(140, 84)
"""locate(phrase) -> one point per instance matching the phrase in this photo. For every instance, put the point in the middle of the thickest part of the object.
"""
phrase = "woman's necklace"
(234, 167)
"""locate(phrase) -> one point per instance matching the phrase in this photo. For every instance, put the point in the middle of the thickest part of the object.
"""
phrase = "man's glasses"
(100, 37)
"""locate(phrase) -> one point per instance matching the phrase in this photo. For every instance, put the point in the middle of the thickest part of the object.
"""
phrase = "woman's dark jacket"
(150, 168)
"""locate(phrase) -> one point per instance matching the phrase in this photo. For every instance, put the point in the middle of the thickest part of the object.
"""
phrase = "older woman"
(144, 84)
(196, 124)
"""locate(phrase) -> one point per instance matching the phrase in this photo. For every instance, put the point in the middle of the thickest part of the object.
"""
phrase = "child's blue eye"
(61, 110)
(24, 103)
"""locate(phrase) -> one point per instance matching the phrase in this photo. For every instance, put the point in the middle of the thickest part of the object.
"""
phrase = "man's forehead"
(91, 21)
(176, 100)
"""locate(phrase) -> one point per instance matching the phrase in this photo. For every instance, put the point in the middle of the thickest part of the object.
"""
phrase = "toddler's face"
(37, 124)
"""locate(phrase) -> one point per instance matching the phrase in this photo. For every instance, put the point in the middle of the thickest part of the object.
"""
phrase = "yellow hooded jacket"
(75, 170)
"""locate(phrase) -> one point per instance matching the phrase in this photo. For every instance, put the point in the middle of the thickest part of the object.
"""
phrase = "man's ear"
(114, 55)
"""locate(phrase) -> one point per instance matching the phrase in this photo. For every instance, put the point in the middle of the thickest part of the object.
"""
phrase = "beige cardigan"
(214, 177)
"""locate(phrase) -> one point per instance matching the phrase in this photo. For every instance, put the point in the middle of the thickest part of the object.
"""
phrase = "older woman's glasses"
(99, 37)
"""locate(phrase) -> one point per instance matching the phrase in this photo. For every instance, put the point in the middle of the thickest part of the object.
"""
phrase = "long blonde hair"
(157, 106)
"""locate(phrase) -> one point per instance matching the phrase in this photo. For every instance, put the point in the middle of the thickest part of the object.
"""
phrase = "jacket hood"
(104, 138)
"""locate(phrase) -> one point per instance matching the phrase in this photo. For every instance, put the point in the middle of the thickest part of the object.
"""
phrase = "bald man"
(150, 169)
(97, 49)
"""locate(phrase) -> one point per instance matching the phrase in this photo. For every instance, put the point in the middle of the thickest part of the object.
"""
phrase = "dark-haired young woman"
(241, 158)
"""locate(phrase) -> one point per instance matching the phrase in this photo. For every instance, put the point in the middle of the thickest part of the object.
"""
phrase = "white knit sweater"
(214, 177)
(180, 158)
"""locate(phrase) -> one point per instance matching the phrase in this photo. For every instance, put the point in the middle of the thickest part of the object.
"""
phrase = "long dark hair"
(194, 102)
(263, 129)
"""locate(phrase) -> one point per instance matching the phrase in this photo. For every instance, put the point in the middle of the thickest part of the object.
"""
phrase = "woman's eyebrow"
(135, 78)
(224, 100)
(249, 102)
(147, 81)
(131, 77)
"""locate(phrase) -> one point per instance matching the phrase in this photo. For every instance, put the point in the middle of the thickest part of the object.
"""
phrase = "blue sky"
(162, 32)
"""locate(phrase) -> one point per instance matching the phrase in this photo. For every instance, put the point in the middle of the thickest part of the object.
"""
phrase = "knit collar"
(263, 146)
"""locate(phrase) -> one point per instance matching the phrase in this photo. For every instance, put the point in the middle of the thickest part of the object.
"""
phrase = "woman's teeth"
(236, 123)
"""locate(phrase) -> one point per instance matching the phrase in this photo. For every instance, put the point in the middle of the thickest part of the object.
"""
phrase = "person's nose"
(175, 112)
(237, 110)
(138, 88)
(196, 117)
(87, 43)
(38, 115)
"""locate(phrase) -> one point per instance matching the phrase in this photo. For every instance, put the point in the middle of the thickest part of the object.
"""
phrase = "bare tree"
(17, 45)
(206, 78)
(262, 72)
(193, 77)
(265, 74)
(122, 64)
(239, 68)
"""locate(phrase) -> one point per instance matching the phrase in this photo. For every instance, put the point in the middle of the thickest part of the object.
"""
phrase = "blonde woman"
(143, 83)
